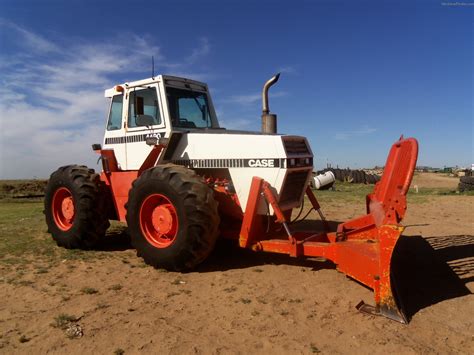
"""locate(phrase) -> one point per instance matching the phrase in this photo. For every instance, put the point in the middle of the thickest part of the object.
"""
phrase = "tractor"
(180, 182)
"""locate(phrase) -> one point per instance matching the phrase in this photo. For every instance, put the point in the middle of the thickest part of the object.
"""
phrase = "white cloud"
(201, 51)
(252, 98)
(231, 121)
(29, 39)
(287, 70)
(52, 106)
(365, 130)
(244, 99)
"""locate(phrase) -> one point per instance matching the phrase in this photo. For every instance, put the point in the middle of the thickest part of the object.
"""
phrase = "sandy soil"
(243, 302)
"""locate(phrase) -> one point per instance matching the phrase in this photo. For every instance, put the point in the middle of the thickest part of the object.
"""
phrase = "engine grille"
(293, 188)
(296, 146)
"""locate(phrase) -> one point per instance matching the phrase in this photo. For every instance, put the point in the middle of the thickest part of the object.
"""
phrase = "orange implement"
(362, 247)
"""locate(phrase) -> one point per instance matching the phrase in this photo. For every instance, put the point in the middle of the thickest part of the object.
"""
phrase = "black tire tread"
(90, 222)
(200, 208)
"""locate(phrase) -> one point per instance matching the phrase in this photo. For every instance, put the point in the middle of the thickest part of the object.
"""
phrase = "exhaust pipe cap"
(269, 121)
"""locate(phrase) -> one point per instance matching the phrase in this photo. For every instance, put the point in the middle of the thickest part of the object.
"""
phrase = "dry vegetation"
(108, 301)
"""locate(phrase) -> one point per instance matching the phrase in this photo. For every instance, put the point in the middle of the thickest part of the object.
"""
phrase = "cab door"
(142, 101)
(114, 137)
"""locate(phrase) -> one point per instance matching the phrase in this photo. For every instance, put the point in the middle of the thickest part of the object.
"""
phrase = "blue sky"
(355, 75)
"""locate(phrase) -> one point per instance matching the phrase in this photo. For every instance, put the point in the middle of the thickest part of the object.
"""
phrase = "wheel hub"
(67, 207)
(159, 220)
(162, 219)
(63, 210)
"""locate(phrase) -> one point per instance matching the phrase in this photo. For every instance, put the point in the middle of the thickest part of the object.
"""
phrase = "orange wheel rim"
(63, 210)
(159, 221)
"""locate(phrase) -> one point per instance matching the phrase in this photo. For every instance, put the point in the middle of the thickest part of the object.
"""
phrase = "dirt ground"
(434, 180)
(242, 302)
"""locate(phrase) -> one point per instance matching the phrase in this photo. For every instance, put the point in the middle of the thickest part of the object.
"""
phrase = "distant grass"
(19, 188)
(23, 230)
(347, 192)
(344, 191)
(24, 237)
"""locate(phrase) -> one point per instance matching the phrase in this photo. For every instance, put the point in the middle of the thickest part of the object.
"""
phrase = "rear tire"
(172, 218)
(75, 207)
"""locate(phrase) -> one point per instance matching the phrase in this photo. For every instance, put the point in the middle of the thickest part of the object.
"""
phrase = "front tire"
(172, 218)
(75, 207)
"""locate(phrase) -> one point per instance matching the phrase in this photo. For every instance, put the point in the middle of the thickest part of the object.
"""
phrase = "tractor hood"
(215, 145)
(275, 158)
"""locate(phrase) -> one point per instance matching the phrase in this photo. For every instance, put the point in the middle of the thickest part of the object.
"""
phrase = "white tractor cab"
(166, 106)
(154, 107)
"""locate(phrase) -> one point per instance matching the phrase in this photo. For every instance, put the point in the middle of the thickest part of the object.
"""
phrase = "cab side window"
(115, 115)
(145, 100)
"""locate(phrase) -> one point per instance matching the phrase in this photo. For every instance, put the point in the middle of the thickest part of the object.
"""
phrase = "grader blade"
(386, 207)
(361, 248)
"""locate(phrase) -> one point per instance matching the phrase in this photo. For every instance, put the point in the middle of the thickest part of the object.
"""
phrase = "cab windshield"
(188, 109)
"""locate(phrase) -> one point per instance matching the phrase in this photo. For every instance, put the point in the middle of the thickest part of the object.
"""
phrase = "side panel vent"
(296, 146)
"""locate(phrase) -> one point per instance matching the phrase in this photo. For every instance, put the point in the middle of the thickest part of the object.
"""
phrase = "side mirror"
(144, 120)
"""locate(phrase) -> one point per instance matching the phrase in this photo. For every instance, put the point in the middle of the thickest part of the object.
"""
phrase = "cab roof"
(167, 79)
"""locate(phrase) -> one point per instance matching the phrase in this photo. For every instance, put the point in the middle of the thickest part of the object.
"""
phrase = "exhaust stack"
(269, 120)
